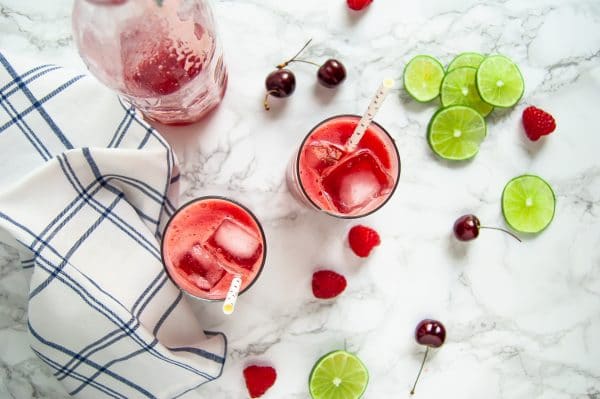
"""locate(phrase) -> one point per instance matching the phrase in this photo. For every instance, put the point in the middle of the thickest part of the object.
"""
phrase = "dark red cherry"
(279, 83)
(466, 228)
(432, 334)
(331, 73)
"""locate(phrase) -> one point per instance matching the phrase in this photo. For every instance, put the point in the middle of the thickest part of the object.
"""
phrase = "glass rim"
(315, 205)
(222, 198)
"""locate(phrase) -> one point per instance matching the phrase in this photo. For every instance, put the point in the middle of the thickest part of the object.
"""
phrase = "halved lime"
(458, 88)
(338, 375)
(455, 132)
(499, 81)
(422, 77)
(465, 59)
(528, 204)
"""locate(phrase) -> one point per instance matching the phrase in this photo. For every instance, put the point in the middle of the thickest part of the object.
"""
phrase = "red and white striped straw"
(367, 118)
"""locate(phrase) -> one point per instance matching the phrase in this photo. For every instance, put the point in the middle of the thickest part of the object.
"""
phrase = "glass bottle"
(162, 56)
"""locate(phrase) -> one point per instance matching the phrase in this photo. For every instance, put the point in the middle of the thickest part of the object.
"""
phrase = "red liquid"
(342, 183)
(208, 242)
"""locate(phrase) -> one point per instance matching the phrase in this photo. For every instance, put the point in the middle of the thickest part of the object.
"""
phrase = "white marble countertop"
(523, 320)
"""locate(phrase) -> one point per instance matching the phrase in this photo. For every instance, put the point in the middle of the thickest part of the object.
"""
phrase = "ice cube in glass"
(235, 246)
(355, 181)
(202, 268)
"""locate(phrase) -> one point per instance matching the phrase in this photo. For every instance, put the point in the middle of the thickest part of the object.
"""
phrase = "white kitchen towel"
(86, 187)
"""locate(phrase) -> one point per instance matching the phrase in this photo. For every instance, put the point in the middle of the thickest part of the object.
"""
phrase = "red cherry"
(432, 334)
(331, 73)
(279, 83)
(466, 228)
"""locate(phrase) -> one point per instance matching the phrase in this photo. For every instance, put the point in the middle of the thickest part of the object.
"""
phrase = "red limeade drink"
(325, 176)
(210, 240)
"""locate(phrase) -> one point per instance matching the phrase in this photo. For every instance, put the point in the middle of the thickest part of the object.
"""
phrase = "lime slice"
(422, 78)
(455, 132)
(465, 59)
(528, 204)
(458, 88)
(499, 81)
(338, 375)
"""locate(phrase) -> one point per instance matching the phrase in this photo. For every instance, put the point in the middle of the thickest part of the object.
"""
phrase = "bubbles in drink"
(201, 266)
(235, 246)
(355, 181)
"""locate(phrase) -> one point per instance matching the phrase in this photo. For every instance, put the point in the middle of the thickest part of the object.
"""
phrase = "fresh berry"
(358, 4)
(362, 240)
(327, 284)
(282, 83)
(537, 123)
(279, 83)
(259, 379)
(466, 228)
(331, 73)
(429, 333)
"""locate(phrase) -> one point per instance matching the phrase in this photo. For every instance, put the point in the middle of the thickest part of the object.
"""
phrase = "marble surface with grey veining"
(523, 320)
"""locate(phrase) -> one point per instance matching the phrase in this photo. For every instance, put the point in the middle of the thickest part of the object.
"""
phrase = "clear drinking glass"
(208, 242)
(325, 176)
(163, 56)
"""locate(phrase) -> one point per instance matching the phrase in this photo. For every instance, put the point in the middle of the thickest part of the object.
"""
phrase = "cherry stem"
(412, 391)
(266, 102)
(504, 230)
(283, 65)
(306, 62)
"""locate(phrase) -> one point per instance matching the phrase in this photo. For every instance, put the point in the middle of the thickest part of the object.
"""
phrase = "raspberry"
(358, 4)
(327, 284)
(259, 379)
(537, 123)
(362, 239)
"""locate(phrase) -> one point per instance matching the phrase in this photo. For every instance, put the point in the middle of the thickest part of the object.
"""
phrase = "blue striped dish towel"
(85, 191)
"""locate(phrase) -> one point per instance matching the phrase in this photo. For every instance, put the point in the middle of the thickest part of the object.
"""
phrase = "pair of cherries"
(282, 82)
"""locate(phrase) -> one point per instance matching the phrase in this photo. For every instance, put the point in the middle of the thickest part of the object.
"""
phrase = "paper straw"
(232, 294)
(367, 118)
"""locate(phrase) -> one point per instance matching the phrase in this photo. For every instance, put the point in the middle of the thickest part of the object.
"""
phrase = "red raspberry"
(537, 123)
(259, 379)
(358, 4)
(327, 284)
(362, 239)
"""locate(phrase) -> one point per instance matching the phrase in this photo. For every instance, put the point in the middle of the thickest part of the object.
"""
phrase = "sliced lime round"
(458, 88)
(338, 375)
(499, 81)
(455, 132)
(422, 77)
(528, 204)
(465, 59)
